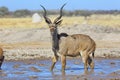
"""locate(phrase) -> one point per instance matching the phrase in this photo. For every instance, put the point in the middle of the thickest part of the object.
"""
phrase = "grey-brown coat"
(69, 45)
(1, 57)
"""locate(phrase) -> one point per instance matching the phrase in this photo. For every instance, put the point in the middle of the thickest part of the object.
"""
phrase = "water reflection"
(34, 69)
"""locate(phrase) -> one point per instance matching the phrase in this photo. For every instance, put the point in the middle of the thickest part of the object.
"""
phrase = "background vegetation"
(23, 18)
(4, 12)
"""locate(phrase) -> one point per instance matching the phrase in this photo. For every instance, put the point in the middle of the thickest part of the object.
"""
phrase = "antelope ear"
(58, 22)
(47, 20)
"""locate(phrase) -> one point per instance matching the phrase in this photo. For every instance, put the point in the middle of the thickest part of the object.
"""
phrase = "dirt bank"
(34, 43)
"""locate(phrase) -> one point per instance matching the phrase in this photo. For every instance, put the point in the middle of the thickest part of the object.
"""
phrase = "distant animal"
(1, 57)
(69, 45)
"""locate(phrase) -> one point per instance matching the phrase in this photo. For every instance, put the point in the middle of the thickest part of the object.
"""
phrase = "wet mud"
(105, 69)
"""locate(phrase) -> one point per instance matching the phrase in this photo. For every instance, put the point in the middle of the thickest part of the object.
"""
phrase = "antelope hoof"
(63, 70)
(51, 69)
(92, 65)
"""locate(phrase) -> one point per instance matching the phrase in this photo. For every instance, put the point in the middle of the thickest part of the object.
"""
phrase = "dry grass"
(18, 23)
(105, 20)
(101, 20)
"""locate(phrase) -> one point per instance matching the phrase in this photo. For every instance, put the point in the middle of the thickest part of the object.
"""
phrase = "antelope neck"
(55, 40)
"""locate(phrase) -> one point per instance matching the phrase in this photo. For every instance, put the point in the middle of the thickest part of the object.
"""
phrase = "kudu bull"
(1, 57)
(69, 45)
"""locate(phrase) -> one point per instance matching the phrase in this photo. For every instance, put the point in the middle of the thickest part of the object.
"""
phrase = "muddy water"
(105, 69)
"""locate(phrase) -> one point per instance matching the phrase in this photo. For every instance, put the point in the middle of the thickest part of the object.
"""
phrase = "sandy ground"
(35, 42)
